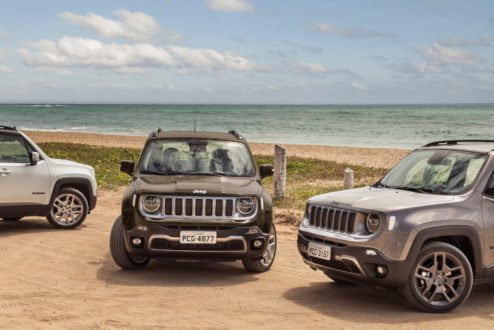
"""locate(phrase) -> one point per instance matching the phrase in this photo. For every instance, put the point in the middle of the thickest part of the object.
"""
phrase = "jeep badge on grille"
(200, 191)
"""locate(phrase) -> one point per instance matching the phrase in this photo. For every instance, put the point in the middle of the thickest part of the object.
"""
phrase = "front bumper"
(163, 241)
(354, 263)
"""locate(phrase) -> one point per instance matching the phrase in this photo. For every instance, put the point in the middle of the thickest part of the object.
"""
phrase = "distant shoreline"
(360, 156)
(253, 104)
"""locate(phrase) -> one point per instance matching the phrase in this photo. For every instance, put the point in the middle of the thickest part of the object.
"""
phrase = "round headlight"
(245, 205)
(151, 204)
(372, 223)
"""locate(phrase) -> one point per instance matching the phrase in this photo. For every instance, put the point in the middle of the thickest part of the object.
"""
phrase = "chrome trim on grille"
(208, 210)
(218, 240)
(332, 219)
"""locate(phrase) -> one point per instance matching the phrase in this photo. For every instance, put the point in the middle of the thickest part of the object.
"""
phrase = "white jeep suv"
(33, 184)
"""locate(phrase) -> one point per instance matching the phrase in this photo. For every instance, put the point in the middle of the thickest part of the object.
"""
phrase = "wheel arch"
(464, 238)
(81, 184)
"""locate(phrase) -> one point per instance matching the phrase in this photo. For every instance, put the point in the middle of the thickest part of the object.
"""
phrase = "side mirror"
(265, 171)
(34, 157)
(127, 166)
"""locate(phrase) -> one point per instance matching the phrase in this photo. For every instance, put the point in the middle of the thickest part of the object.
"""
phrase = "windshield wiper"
(164, 173)
(208, 173)
(416, 189)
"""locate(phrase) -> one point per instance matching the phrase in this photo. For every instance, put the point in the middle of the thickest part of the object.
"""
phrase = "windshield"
(197, 157)
(435, 171)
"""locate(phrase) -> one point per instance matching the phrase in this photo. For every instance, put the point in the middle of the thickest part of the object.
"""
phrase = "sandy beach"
(67, 279)
(372, 157)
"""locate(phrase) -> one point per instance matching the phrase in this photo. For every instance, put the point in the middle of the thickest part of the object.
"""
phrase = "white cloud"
(211, 59)
(444, 54)
(359, 86)
(80, 52)
(236, 6)
(316, 68)
(68, 51)
(353, 32)
(131, 25)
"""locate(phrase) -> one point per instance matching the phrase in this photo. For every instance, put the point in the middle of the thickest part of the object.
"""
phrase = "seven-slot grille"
(199, 207)
(332, 219)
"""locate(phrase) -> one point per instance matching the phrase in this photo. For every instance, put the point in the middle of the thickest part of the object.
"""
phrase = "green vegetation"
(305, 177)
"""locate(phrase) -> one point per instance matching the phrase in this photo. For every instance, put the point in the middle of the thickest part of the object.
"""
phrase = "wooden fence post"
(348, 179)
(279, 171)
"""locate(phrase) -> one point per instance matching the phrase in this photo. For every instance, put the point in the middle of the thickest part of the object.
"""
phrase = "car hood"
(380, 199)
(198, 185)
(66, 162)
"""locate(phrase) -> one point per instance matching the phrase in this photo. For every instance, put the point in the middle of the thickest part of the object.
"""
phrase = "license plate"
(319, 251)
(197, 237)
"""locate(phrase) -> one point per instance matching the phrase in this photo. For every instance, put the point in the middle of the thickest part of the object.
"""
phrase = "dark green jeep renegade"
(195, 196)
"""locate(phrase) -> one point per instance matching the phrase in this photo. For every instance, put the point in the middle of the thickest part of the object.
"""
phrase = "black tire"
(55, 208)
(12, 219)
(119, 252)
(265, 263)
(451, 278)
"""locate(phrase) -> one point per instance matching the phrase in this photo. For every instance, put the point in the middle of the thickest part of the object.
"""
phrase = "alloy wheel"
(67, 209)
(268, 256)
(439, 279)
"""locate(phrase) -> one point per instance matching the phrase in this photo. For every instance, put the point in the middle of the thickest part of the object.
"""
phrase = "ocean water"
(389, 126)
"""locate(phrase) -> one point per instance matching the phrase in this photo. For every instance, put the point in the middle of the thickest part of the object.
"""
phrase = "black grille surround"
(332, 218)
(177, 207)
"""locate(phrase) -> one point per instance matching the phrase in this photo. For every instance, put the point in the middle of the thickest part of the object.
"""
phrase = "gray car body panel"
(419, 216)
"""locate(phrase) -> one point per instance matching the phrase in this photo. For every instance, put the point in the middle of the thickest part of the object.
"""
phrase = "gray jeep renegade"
(427, 227)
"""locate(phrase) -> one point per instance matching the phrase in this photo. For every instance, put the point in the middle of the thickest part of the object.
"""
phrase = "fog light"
(257, 244)
(381, 270)
(136, 241)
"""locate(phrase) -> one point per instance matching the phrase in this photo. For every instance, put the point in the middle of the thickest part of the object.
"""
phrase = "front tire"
(69, 209)
(441, 278)
(12, 219)
(119, 252)
(265, 263)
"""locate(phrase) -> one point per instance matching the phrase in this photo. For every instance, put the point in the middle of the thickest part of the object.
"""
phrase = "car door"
(21, 182)
(488, 216)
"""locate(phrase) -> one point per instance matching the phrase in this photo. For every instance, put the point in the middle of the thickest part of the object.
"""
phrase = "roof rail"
(236, 134)
(455, 142)
(10, 128)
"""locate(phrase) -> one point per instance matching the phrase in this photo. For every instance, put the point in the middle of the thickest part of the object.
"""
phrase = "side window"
(490, 187)
(13, 149)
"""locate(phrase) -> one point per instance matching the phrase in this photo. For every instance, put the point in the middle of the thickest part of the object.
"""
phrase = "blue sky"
(247, 51)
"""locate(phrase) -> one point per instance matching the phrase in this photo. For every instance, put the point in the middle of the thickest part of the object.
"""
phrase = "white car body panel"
(35, 184)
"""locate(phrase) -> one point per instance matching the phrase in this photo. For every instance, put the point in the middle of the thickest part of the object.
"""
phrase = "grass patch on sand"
(305, 177)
